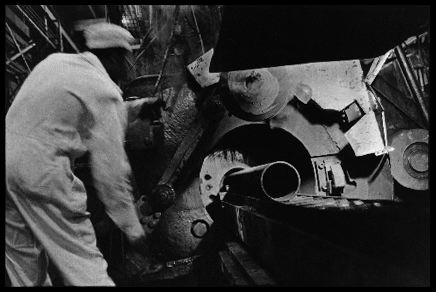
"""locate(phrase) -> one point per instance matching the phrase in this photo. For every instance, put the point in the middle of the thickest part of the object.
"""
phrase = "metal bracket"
(387, 148)
(330, 177)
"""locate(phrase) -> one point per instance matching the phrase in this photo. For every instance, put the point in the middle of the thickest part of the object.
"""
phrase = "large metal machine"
(302, 165)
(300, 159)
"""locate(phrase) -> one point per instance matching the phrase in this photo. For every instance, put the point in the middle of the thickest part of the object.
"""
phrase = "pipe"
(61, 29)
(279, 181)
(411, 82)
(36, 26)
(20, 53)
(18, 46)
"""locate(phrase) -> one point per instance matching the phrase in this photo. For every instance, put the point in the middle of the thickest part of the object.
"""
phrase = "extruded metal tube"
(279, 181)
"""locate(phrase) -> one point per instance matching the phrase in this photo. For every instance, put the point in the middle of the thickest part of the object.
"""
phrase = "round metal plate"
(409, 160)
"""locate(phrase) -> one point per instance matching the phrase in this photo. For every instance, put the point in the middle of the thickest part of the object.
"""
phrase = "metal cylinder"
(279, 181)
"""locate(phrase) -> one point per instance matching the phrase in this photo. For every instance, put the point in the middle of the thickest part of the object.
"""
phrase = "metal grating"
(134, 19)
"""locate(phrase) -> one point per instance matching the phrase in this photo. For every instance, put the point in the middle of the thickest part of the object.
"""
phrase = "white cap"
(103, 35)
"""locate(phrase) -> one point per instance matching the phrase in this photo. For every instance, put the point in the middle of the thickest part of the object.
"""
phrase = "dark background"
(268, 36)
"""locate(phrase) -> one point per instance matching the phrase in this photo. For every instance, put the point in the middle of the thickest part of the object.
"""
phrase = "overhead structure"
(32, 33)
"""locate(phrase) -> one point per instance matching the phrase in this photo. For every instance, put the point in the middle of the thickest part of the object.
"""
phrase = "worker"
(69, 105)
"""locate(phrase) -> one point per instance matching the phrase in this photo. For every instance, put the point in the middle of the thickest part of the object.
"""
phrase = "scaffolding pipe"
(61, 43)
(411, 81)
(35, 26)
(92, 11)
(197, 30)
(150, 13)
(169, 46)
(22, 52)
(62, 30)
(18, 46)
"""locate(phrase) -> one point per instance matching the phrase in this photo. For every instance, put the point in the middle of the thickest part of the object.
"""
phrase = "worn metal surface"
(183, 153)
(410, 158)
(334, 84)
(254, 90)
(173, 237)
(319, 139)
(260, 94)
(365, 136)
(149, 164)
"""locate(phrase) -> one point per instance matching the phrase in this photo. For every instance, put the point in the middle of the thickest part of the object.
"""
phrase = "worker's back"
(49, 122)
(68, 105)
(55, 102)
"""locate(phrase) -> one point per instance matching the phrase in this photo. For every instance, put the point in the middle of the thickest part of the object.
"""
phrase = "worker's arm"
(133, 107)
(110, 167)
(148, 106)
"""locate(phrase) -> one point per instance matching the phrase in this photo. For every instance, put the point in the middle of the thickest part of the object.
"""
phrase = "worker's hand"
(141, 246)
(134, 105)
(143, 107)
(138, 243)
(151, 108)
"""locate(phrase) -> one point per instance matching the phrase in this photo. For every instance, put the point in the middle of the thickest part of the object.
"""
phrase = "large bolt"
(418, 161)
(199, 228)
(162, 197)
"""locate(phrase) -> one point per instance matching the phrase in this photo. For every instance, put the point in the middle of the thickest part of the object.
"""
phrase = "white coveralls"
(68, 105)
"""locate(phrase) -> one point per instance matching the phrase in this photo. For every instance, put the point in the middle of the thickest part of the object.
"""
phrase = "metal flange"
(409, 160)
